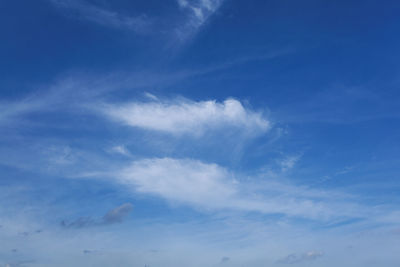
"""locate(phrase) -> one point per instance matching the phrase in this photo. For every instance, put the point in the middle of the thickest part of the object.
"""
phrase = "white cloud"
(198, 13)
(103, 16)
(188, 117)
(212, 187)
(186, 181)
(120, 150)
(288, 162)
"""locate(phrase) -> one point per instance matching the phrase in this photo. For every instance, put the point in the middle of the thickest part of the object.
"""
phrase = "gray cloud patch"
(27, 234)
(89, 251)
(116, 215)
(79, 223)
(225, 259)
(296, 258)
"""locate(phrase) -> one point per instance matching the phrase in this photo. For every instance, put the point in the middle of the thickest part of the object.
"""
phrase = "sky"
(199, 133)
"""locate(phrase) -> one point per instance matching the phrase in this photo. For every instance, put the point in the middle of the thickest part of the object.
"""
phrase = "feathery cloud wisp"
(305, 257)
(198, 13)
(116, 215)
(103, 16)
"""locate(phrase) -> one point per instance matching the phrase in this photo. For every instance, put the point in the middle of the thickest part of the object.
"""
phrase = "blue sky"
(199, 133)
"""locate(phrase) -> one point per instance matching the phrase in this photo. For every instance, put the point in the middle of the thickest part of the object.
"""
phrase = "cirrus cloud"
(198, 12)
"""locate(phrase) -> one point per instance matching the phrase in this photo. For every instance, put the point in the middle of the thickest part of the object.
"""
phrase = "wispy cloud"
(79, 223)
(212, 187)
(63, 95)
(195, 14)
(120, 149)
(296, 258)
(198, 13)
(99, 15)
(9, 111)
(116, 215)
(288, 162)
(225, 259)
(184, 116)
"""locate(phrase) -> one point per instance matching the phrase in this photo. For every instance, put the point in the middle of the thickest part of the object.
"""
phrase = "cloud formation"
(81, 222)
(9, 111)
(186, 181)
(211, 187)
(198, 13)
(188, 117)
(103, 16)
(120, 149)
(116, 215)
(295, 258)
(288, 162)
(225, 259)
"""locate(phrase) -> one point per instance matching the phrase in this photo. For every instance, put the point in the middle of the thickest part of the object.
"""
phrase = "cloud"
(81, 222)
(198, 13)
(116, 215)
(9, 111)
(120, 150)
(17, 264)
(103, 16)
(57, 97)
(188, 117)
(288, 162)
(26, 234)
(295, 258)
(91, 252)
(187, 181)
(225, 259)
(211, 187)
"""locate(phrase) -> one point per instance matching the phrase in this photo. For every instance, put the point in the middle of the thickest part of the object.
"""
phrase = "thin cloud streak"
(196, 12)
(116, 215)
(305, 257)
(96, 14)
